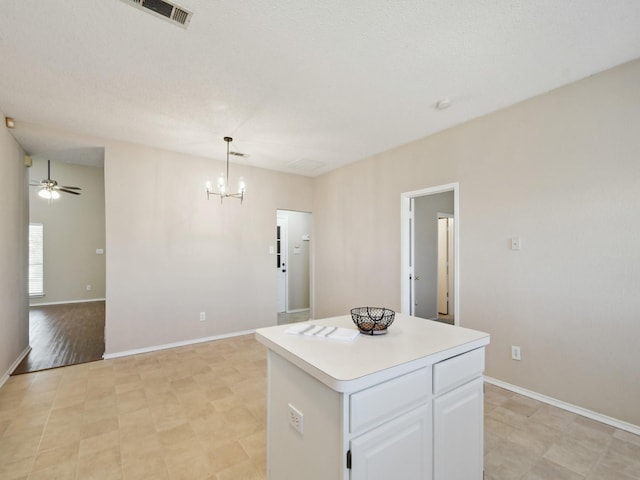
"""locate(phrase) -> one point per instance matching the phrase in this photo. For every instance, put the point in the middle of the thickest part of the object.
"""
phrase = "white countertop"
(410, 343)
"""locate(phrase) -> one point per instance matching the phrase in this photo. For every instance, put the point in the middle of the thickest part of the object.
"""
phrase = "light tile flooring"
(195, 412)
(285, 318)
(529, 440)
(198, 412)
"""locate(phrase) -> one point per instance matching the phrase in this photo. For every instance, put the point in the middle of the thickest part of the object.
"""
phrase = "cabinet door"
(400, 448)
(458, 432)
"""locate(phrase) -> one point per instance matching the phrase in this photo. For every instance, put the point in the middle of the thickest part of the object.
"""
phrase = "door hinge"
(349, 459)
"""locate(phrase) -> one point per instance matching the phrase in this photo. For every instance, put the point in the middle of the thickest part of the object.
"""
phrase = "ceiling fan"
(49, 188)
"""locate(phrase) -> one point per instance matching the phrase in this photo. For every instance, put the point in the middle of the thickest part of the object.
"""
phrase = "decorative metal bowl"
(372, 320)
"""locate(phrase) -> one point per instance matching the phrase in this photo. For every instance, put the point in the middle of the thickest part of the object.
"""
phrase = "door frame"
(407, 245)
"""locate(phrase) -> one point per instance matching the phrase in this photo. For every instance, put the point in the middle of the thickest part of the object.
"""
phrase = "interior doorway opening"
(293, 265)
(67, 280)
(429, 253)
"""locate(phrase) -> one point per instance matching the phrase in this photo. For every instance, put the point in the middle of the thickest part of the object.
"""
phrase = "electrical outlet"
(296, 419)
(88, 288)
(515, 353)
(203, 316)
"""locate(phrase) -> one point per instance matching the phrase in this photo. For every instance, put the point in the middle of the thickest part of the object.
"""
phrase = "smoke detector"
(443, 104)
(166, 10)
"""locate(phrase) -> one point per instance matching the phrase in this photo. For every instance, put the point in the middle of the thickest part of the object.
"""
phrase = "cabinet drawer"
(455, 371)
(386, 400)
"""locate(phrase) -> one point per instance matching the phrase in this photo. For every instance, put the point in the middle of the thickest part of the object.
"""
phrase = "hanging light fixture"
(223, 182)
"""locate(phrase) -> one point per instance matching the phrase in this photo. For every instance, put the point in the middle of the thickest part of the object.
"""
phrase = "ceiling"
(302, 86)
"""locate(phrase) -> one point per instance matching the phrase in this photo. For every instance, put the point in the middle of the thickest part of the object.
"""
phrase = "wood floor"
(62, 335)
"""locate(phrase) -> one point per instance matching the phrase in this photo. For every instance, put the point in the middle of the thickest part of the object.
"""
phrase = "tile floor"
(198, 412)
(529, 440)
(286, 318)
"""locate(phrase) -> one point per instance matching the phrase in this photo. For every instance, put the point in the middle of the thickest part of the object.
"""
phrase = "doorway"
(429, 253)
(293, 265)
(67, 279)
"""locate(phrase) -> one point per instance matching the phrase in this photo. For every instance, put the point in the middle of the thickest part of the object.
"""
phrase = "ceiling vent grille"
(166, 10)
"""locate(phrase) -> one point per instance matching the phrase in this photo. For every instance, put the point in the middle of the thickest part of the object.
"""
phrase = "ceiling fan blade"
(70, 188)
(60, 189)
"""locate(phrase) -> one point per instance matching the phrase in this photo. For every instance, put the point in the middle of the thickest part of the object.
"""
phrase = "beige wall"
(561, 171)
(14, 218)
(73, 230)
(172, 254)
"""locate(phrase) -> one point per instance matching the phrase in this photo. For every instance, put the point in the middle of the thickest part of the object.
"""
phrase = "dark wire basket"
(372, 320)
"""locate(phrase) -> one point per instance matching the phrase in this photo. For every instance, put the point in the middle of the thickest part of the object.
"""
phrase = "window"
(36, 257)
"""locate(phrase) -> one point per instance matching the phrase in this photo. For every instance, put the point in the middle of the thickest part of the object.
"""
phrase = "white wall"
(14, 219)
(172, 254)
(561, 171)
(73, 230)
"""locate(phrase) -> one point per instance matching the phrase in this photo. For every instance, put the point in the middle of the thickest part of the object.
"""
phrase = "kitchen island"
(406, 405)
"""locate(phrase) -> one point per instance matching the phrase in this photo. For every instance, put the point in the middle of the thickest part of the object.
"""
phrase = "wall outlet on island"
(296, 419)
(515, 353)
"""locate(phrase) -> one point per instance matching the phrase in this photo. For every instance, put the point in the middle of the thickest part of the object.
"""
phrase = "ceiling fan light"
(241, 185)
(46, 194)
(50, 190)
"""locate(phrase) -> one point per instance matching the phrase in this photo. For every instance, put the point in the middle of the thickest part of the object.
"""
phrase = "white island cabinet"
(405, 405)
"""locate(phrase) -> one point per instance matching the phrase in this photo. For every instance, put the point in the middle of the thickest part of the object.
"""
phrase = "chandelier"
(223, 182)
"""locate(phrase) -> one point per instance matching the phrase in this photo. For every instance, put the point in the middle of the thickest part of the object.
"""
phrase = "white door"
(451, 267)
(399, 449)
(445, 263)
(458, 433)
(411, 258)
(443, 270)
(281, 261)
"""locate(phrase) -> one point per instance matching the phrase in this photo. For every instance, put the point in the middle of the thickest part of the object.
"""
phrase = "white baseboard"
(67, 301)
(599, 417)
(126, 353)
(13, 366)
(298, 310)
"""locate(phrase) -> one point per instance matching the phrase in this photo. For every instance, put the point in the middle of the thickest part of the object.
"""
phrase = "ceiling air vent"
(169, 11)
